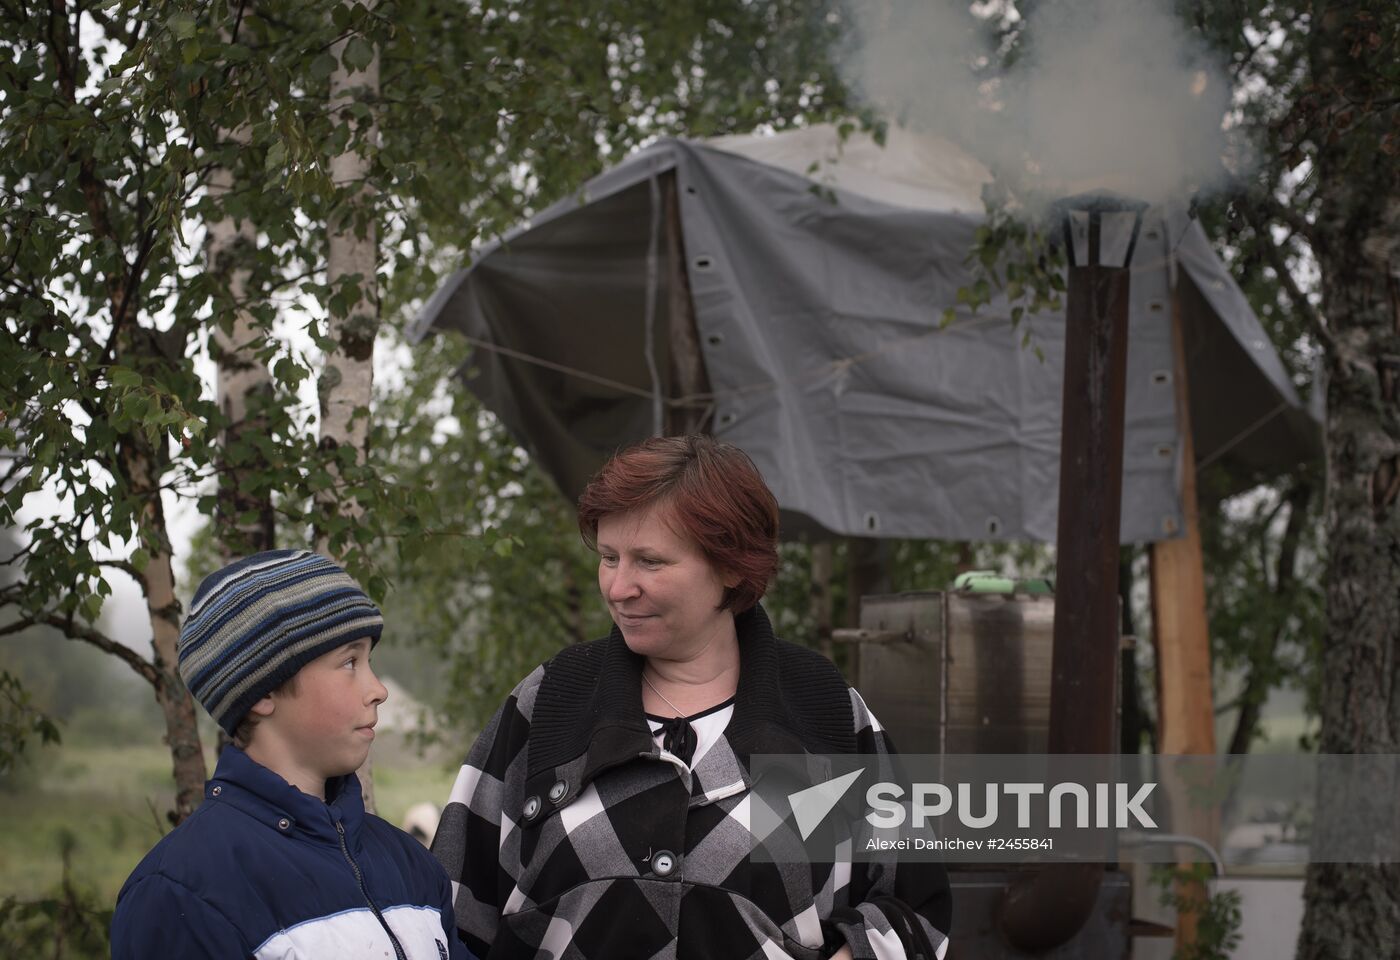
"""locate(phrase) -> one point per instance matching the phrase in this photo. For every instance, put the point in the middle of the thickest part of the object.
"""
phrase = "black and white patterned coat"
(570, 835)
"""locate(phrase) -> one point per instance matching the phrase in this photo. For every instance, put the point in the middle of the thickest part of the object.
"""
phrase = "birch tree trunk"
(157, 581)
(245, 521)
(1352, 911)
(347, 376)
(139, 467)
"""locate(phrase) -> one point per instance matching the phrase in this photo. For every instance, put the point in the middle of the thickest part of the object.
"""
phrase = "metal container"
(959, 672)
(969, 671)
(977, 898)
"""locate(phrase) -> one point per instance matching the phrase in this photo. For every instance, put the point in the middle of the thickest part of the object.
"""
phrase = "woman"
(603, 814)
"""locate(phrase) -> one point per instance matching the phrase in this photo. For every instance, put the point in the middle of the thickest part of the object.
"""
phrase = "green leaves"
(1216, 917)
(123, 376)
(1013, 257)
(90, 607)
(322, 67)
(289, 372)
(182, 24)
(276, 157)
(358, 54)
(20, 722)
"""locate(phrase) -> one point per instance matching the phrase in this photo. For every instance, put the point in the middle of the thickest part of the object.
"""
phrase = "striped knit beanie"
(257, 621)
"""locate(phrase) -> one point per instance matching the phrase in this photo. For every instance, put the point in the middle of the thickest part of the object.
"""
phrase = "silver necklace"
(661, 695)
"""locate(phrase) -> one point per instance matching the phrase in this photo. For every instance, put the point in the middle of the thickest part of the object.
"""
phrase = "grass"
(402, 779)
(109, 804)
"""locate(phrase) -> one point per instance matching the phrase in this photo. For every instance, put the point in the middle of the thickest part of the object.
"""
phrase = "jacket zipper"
(360, 879)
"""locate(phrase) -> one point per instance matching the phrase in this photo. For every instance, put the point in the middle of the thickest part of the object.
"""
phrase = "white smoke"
(1106, 94)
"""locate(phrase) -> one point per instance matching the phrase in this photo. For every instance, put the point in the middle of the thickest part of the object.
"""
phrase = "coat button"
(283, 824)
(664, 863)
(556, 792)
(532, 808)
(216, 791)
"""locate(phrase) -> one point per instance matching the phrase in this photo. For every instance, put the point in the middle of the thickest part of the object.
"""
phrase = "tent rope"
(1240, 437)
(707, 400)
(530, 358)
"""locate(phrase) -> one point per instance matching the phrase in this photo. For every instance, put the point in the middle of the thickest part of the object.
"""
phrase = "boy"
(281, 859)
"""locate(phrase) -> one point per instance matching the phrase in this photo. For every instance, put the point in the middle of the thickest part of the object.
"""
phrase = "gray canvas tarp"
(818, 317)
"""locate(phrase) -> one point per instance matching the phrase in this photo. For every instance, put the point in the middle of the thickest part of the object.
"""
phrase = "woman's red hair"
(715, 496)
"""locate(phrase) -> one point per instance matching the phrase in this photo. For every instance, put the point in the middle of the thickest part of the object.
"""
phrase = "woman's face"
(661, 591)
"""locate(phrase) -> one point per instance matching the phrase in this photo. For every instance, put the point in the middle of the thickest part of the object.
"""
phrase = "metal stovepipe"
(1047, 906)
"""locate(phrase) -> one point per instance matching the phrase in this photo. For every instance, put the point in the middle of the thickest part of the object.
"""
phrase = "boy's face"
(324, 727)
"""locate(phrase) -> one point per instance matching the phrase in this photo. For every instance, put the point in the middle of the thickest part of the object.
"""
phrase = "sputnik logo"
(811, 805)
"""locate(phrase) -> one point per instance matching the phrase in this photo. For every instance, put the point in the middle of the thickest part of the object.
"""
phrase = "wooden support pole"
(1180, 635)
(1181, 639)
(688, 377)
(823, 555)
(867, 575)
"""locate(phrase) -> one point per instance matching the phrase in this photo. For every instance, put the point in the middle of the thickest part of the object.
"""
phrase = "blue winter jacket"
(263, 870)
